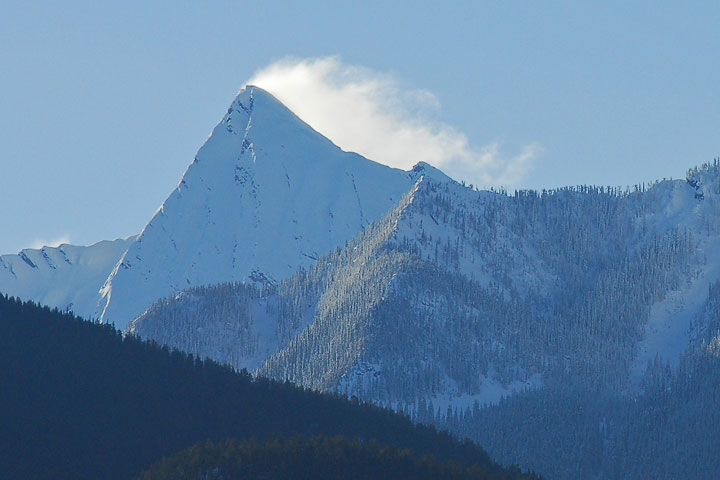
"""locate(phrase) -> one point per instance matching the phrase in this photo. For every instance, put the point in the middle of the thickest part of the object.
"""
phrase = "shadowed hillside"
(81, 401)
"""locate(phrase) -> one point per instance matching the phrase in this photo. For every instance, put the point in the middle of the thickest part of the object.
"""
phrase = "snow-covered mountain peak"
(423, 169)
(256, 118)
(265, 195)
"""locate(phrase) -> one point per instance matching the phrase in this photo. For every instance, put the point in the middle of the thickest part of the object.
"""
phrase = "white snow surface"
(266, 328)
(68, 277)
(427, 171)
(265, 195)
(491, 392)
(668, 330)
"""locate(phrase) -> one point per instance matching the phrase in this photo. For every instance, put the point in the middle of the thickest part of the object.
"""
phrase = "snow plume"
(370, 113)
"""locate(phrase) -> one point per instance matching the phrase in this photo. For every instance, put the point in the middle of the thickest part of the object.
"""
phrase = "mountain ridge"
(68, 277)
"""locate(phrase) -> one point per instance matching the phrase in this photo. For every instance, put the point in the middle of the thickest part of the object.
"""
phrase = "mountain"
(67, 277)
(473, 269)
(548, 313)
(80, 401)
(265, 195)
(467, 308)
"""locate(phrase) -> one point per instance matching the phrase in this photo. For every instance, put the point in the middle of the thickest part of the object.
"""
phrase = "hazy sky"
(104, 104)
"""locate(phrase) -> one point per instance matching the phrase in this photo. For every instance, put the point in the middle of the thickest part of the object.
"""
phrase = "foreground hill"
(316, 458)
(80, 401)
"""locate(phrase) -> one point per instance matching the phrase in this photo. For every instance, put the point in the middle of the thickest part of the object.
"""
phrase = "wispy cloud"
(39, 243)
(370, 113)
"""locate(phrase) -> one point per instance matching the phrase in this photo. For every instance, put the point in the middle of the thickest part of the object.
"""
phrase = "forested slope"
(566, 303)
(80, 401)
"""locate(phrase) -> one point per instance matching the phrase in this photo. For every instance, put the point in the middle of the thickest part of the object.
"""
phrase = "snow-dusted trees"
(457, 293)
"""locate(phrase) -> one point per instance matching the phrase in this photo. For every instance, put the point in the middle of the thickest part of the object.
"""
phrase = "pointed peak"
(250, 94)
(427, 171)
(256, 106)
(246, 97)
(255, 90)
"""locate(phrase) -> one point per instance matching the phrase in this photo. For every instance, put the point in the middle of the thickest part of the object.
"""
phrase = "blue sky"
(104, 104)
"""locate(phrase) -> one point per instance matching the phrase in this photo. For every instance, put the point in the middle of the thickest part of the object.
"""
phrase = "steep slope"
(243, 325)
(68, 277)
(264, 196)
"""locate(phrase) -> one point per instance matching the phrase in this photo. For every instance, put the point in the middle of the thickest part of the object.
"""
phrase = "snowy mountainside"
(289, 307)
(693, 205)
(68, 277)
(476, 310)
(243, 319)
(265, 195)
(530, 287)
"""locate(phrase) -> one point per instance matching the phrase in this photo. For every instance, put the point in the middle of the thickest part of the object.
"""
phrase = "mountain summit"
(265, 195)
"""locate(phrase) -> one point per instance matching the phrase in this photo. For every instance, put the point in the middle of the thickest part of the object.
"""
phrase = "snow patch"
(667, 332)
(491, 392)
